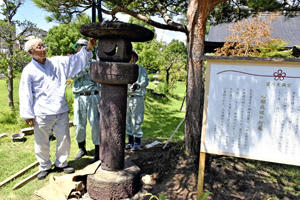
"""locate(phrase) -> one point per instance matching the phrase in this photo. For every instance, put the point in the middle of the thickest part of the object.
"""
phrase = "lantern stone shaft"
(113, 71)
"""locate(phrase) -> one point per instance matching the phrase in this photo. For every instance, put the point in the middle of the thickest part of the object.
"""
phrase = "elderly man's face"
(38, 52)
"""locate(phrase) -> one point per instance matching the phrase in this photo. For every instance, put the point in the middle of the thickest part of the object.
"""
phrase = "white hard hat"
(82, 41)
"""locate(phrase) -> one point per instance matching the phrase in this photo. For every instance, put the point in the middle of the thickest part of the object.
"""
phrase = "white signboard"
(252, 110)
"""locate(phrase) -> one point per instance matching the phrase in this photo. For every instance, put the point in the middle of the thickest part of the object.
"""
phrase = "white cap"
(82, 41)
(32, 41)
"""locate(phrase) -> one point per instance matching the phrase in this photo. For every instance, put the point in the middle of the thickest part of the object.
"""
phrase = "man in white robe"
(43, 104)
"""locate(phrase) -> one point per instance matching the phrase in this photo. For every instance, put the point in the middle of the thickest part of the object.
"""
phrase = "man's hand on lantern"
(91, 44)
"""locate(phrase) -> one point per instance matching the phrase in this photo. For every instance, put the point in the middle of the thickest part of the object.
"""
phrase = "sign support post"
(201, 174)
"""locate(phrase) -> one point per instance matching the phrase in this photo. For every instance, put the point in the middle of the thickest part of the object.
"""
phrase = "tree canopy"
(234, 10)
(173, 62)
(172, 12)
(157, 56)
(13, 57)
(61, 38)
(64, 11)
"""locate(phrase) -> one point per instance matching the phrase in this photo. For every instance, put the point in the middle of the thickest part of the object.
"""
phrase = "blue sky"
(29, 11)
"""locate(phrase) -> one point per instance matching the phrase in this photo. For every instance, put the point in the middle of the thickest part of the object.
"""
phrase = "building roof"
(287, 29)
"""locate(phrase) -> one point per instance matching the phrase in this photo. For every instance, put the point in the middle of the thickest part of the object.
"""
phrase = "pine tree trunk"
(10, 85)
(198, 11)
(167, 80)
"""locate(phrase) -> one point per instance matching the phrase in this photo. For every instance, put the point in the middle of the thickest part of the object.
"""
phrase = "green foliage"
(62, 10)
(152, 196)
(204, 196)
(151, 78)
(61, 38)
(225, 12)
(275, 48)
(173, 64)
(146, 7)
(148, 54)
(7, 31)
(11, 117)
(169, 59)
(231, 11)
(148, 51)
(263, 5)
(162, 197)
(133, 20)
(3, 62)
(166, 110)
(162, 88)
(19, 59)
(13, 58)
(69, 96)
(16, 61)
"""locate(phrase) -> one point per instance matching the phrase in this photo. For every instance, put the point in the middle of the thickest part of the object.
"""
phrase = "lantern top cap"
(117, 30)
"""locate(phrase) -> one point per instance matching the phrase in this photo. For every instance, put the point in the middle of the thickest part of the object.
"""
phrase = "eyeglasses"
(41, 46)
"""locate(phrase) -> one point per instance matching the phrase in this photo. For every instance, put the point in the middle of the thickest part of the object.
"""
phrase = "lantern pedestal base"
(106, 185)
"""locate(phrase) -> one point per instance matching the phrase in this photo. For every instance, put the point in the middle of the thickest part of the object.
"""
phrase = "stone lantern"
(115, 178)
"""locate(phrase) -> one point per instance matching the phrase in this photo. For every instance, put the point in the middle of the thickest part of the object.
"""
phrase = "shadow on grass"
(81, 163)
(177, 97)
(161, 118)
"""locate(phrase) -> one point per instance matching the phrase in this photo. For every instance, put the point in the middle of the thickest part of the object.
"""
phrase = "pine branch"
(148, 20)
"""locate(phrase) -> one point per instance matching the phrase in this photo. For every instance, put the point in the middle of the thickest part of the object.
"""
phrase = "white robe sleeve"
(25, 96)
(75, 63)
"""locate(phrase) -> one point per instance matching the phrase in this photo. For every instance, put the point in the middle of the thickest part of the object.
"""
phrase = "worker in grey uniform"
(135, 107)
(86, 106)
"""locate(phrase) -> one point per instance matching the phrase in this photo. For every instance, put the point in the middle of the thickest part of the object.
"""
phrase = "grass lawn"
(162, 115)
(161, 118)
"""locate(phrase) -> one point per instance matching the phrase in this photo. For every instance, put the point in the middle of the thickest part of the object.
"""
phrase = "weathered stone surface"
(113, 104)
(117, 30)
(113, 181)
(114, 50)
(109, 185)
(114, 73)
